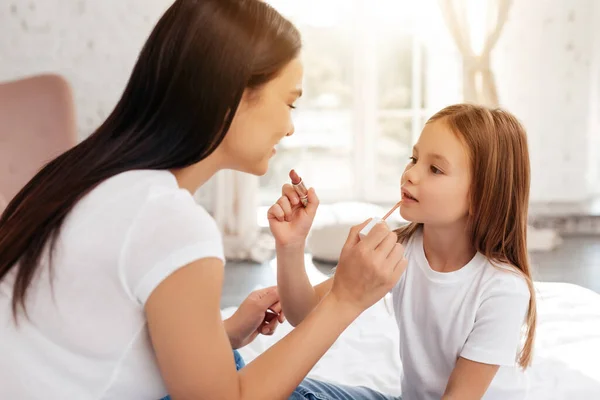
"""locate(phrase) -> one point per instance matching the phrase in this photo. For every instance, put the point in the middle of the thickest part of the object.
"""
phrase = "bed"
(567, 354)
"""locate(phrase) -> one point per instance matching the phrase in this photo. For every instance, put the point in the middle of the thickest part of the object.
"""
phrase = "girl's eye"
(412, 159)
(435, 170)
(292, 106)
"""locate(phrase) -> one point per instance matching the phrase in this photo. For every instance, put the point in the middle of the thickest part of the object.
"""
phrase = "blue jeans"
(311, 389)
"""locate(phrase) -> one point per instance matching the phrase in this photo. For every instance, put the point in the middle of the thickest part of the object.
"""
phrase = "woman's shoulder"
(150, 198)
(162, 199)
(138, 184)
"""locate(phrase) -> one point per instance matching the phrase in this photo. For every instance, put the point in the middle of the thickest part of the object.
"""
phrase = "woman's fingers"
(270, 323)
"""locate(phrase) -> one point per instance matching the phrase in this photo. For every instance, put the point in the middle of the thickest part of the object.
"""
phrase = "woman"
(110, 274)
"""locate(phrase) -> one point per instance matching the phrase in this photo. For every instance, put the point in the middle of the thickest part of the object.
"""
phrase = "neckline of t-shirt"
(445, 277)
(165, 174)
(172, 177)
(156, 172)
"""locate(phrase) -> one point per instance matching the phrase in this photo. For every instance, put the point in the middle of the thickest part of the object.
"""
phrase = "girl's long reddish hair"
(499, 154)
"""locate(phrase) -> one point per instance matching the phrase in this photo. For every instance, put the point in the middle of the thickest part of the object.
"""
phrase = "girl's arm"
(290, 222)
(469, 380)
(297, 296)
(494, 337)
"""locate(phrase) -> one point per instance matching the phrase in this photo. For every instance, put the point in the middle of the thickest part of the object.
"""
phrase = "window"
(364, 101)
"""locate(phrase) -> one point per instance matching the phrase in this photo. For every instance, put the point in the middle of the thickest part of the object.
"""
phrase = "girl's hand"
(289, 220)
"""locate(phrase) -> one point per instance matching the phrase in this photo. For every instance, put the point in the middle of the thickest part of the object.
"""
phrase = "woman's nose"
(291, 130)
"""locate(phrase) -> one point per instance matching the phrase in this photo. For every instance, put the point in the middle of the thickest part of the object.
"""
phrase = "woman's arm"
(192, 348)
(469, 380)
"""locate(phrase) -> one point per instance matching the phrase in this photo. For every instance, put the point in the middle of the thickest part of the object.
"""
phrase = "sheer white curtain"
(232, 198)
(475, 26)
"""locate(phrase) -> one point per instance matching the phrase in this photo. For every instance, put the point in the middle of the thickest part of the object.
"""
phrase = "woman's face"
(263, 118)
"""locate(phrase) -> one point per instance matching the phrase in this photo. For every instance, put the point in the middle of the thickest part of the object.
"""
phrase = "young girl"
(466, 298)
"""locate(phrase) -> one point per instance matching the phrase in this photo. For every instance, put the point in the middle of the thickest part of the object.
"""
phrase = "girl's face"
(437, 179)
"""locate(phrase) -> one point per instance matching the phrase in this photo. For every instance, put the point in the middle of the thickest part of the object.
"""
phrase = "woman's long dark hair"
(174, 112)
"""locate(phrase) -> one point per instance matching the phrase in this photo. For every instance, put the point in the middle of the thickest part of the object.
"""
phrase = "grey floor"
(576, 261)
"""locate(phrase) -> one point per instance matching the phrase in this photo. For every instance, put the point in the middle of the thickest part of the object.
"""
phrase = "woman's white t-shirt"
(86, 336)
(476, 313)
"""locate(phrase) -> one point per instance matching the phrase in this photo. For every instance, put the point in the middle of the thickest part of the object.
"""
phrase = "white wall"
(547, 65)
(544, 69)
(544, 62)
(93, 43)
(594, 176)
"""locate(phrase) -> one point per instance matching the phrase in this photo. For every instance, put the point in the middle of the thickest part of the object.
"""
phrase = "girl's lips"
(406, 196)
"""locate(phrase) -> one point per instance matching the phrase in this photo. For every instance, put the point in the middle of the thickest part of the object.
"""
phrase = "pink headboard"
(37, 123)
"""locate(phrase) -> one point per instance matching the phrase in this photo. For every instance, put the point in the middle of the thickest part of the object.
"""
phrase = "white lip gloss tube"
(365, 231)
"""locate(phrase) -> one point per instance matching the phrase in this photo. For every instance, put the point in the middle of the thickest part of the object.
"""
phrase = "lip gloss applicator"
(299, 187)
(365, 231)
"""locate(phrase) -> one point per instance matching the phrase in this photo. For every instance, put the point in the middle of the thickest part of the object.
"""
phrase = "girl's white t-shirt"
(86, 335)
(476, 313)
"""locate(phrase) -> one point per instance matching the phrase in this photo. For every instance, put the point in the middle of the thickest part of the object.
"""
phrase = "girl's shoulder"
(505, 279)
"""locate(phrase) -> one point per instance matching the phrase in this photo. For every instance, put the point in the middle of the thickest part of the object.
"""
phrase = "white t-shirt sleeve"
(496, 335)
(169, 232)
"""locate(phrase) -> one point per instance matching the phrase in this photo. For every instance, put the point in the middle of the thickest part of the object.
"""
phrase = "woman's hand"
(369, 267)
(260, 313)
(289, 220)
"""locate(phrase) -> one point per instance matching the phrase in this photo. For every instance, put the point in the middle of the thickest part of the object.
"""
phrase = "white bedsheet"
(567, 355)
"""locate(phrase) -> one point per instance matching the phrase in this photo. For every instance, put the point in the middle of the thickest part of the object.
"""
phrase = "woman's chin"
(258, 169)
